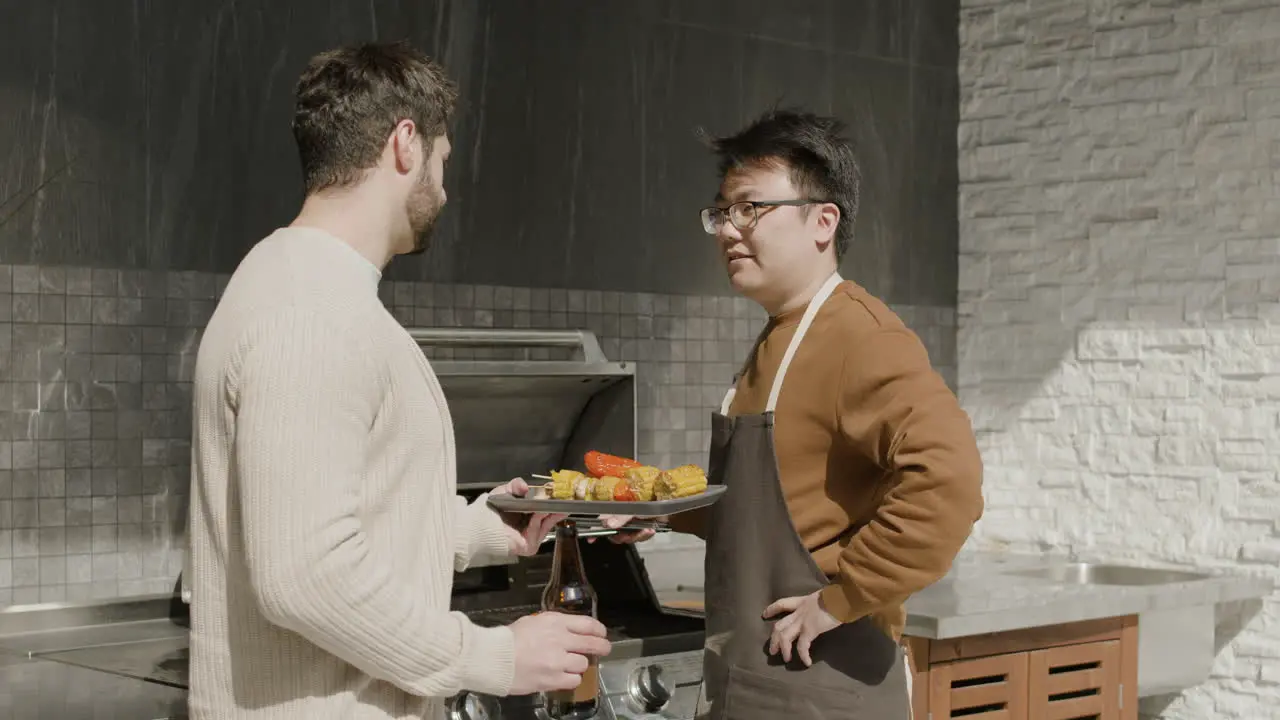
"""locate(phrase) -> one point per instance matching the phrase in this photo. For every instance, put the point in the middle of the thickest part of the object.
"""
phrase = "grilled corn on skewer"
(602, 488)
(642, 480)
(646, 482)
(683, 481)
(563, 483)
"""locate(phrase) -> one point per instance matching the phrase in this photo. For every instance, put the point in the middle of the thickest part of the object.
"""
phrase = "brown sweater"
(879, 465)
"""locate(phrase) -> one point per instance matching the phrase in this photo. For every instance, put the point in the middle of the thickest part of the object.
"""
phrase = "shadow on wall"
(1059, 311)
(1130, 373)
(1119, 294)
(1124, 388)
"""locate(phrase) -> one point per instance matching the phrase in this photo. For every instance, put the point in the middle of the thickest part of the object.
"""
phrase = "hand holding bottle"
(568, 592)
(552, 650)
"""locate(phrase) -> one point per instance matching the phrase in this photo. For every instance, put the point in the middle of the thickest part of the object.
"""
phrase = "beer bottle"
(569, 592)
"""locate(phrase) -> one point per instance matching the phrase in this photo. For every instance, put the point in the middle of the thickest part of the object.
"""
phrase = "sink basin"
(1176, 644)
(1091, 574)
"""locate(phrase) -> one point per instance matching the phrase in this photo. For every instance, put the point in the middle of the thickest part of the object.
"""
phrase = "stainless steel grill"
(515, 415)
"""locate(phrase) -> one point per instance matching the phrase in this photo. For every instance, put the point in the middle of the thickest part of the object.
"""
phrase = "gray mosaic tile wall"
(95, 370)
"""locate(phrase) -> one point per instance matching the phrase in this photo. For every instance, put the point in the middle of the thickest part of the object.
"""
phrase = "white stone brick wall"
(1119, 306)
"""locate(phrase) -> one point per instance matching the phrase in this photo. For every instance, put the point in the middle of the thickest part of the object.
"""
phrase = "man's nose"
(728, 234)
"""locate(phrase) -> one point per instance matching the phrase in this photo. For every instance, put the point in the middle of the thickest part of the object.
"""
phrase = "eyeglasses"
(744, 214)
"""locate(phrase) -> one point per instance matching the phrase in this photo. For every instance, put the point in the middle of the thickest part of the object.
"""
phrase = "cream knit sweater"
(324, 524)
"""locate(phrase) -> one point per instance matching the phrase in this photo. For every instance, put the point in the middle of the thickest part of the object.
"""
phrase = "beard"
(424, 209)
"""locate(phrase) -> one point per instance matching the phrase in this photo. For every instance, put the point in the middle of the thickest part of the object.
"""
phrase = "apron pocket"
(756, 696)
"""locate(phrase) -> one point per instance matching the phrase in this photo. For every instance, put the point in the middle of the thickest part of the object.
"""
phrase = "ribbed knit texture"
(324, 525)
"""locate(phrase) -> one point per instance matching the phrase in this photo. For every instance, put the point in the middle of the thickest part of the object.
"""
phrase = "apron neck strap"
(809, 312)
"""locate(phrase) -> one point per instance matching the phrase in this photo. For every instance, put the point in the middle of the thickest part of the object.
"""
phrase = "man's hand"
(624, 537)
(552, 650)
(808, 620)
(525, 531)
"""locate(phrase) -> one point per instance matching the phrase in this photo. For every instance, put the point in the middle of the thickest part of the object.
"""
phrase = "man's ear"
(828, 219)
(403, 146)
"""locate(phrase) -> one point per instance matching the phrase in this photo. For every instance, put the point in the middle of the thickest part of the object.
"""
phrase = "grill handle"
(493, 337)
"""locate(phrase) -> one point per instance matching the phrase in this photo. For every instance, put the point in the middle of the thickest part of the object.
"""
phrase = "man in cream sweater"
(324, 525)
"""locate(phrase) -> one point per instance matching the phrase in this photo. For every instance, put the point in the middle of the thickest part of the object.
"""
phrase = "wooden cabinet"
(1085, 671)
(991, 688)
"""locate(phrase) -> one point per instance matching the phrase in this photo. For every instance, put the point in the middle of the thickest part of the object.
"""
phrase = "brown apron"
(754, 556)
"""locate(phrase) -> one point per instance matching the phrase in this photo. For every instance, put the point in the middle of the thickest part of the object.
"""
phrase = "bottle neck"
(566, 564)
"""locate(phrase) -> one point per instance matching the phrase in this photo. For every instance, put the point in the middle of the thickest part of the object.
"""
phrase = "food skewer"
(614, 485)
(592, 526)
(611, 478)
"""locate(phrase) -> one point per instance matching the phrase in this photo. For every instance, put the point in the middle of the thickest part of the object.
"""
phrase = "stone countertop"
(978, 596)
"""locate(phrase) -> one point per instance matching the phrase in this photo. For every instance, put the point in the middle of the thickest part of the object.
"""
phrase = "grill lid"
(526, 402)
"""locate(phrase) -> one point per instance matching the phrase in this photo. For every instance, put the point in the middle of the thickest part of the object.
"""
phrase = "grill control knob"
(468, 706)
(647, 689)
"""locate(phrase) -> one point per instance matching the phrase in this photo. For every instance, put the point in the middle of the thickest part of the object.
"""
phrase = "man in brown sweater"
(852, 485)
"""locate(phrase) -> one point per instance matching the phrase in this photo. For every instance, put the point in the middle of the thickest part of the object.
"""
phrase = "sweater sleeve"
(305, 401)
(479, 534)
(894, 409)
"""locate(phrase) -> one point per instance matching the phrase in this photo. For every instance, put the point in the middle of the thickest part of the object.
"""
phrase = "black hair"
(815, 152)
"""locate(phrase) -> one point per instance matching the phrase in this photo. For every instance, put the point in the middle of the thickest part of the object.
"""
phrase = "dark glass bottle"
(569, 592)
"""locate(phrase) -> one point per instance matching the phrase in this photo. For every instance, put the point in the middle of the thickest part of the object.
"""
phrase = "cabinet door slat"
(993, 688)
(1085, 707)
(1078, 681)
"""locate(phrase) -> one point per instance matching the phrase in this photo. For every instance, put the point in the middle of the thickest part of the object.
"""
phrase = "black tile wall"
(581, 146)
(95, 401)
(94, 428)
(575, 143)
